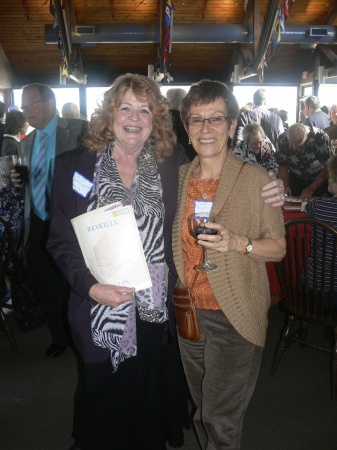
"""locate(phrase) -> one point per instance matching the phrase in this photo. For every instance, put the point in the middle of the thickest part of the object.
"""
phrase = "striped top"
(324, 209)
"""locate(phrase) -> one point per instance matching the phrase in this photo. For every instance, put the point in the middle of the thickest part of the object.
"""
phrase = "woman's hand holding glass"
(224, 240)
(199, 226)
(15, 178)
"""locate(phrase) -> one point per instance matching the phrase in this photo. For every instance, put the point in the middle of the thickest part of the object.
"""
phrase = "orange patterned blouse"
(202, 292)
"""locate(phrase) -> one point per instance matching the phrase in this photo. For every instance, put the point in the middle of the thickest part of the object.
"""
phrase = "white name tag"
(81, 185)
(202, 208)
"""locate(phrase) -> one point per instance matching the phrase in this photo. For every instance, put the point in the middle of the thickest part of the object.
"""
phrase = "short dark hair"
(207, 91)
(312, 102)
(15, 121)
(325, 109)
(283, 114)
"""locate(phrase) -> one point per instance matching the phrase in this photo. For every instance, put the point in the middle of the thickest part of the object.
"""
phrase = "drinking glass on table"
(198, 225)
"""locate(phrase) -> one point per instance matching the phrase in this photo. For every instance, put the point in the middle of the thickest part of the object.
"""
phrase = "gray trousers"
(221, 370)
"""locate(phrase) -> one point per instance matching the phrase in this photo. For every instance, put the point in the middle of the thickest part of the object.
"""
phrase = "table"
(274, 285)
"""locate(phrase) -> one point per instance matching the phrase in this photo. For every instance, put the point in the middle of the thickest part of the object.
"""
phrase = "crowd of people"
(167, 158)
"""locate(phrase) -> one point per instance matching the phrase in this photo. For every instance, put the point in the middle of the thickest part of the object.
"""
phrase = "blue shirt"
(50, 130)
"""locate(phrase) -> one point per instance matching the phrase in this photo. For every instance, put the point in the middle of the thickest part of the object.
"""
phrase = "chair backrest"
(308, 272)
(6, 252)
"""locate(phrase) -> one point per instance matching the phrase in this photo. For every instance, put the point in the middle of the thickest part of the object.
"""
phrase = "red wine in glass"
(21, 168)
(23, 171)
(198, 225)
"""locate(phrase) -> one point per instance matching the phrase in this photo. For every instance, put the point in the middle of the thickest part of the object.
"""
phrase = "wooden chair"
(6, 253)
(309, 243)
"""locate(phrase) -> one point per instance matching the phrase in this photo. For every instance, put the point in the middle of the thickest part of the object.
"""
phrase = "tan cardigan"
(240, 284)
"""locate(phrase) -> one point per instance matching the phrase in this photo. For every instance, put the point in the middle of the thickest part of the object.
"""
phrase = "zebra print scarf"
(115, 328)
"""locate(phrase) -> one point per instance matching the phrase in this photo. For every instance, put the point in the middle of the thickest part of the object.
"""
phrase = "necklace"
(206, 187)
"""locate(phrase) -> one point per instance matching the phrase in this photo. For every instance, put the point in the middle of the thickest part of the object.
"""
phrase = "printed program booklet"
(111, 246)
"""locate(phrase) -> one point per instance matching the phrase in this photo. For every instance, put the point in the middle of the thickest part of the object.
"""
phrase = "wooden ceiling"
(22, 36)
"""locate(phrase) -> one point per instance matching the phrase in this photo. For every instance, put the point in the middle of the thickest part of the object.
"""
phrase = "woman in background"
(332, 129)
(14, 127)
(11, 205)
(256, 147)
(11, 200)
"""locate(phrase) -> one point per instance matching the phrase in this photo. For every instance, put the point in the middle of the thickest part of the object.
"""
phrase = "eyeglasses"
(256, 144)
(198, 122)
(30, 105)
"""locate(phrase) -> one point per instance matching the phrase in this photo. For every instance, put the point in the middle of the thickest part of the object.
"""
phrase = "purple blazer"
(63, 246)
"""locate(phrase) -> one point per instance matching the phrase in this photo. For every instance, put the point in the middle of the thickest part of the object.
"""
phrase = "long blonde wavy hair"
(100, 132)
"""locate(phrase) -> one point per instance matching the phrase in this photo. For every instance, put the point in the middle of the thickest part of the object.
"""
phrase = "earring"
(189, 141)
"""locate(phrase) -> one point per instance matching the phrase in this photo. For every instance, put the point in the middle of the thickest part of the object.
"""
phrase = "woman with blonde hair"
(123, 336)
(332, 129)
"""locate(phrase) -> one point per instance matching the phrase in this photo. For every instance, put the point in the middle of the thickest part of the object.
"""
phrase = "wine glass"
(198, 226)
(21, 168)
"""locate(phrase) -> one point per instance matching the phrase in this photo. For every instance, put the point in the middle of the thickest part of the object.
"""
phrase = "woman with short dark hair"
(232, 302)
(14, 126)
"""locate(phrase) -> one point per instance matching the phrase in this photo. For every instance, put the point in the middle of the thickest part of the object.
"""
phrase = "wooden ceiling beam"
(332, 14)
(25, 8)
(204, 8)
(328, 53)
(248, 12)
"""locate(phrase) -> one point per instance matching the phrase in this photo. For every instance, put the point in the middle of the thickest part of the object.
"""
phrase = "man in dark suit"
(58, 135)
(270, 122)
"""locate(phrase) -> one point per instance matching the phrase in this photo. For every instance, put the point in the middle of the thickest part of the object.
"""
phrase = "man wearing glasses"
(52, 136)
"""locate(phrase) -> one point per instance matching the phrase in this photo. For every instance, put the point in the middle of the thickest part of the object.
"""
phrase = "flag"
(168, 38)
(285, 9)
